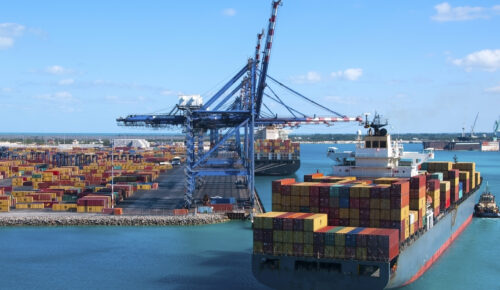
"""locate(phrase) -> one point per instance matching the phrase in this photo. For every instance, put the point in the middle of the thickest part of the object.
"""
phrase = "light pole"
(112, 172)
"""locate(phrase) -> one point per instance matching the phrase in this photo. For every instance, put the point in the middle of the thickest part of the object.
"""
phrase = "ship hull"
(276, 167)
(281, 272)
(455, 146)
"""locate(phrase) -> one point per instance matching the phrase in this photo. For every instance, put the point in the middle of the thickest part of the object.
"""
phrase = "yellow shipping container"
(298, 237)
(329, 251)
(277, 236)
(277, 248)
(257, 247)
(400, 214)
(385, 203)
(385, 214)
(81, 209)
(374, 214)
(288, 249)
(21, 205)
(24, 199)
(287, 236)
(4, 208)
(308, 250)
(36, 205)
(304, 201)
(315, 222)
(265, 220)
(374, 223)
(276, 198)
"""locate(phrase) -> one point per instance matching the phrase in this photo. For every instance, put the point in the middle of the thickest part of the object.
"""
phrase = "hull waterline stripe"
(439, 252)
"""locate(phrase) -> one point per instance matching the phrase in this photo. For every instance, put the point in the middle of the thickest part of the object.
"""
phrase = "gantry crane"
(229, 117)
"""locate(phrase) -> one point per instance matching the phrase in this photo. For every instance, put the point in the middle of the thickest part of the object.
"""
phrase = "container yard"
(129, 181)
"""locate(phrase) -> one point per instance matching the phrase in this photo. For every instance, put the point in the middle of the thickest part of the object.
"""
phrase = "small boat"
(486, 207)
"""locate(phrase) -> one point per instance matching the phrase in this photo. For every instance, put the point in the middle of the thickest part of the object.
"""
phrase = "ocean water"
(215, 256)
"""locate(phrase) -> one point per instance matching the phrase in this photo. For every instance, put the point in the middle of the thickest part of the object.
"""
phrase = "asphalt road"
(170, 193)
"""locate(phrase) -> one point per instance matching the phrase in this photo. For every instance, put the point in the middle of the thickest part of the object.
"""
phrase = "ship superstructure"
(378, 156)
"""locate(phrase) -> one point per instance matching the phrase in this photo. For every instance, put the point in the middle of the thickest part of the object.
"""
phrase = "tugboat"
(486, 207)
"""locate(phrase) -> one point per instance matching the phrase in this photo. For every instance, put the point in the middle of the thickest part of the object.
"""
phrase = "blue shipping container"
(205, 209)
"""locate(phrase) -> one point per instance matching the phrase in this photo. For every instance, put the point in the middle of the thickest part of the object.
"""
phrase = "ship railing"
(408, 242)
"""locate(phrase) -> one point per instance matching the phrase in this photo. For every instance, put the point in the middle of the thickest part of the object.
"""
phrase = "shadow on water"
(227, 273)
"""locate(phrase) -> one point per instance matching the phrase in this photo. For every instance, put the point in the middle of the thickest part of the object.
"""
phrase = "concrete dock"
(171, 189)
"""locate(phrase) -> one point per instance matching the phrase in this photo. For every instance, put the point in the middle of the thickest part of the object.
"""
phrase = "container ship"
(274, 153)
(376, 224)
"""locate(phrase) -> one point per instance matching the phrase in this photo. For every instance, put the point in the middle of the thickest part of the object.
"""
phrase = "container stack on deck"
(278, 149)
(84, 188)
(366, 219)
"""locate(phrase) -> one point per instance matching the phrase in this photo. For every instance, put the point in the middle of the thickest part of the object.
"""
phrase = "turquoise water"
(215, 256)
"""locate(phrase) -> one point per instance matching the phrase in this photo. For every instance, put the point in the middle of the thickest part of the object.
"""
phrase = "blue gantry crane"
(229, 118)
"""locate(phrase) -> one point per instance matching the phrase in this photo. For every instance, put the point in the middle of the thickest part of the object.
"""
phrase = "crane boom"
(265, 57)
(473, 126)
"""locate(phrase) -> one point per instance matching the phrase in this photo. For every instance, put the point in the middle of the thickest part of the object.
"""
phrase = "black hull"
(276, 167)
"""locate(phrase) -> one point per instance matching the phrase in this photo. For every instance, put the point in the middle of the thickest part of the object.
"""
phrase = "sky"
(75, 66)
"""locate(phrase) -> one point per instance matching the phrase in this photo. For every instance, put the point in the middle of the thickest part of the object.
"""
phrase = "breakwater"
(105, 220)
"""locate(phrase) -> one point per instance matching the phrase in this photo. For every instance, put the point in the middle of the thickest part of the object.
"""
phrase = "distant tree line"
(404, 136)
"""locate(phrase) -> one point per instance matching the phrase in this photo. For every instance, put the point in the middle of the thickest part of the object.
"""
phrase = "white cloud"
(351, 74)
(167, 92)
(494, 90)
(66, 82)
(6, 42)
(445, 12)
(62, 97)
(311, 77)
(485, 59)
(57, 70)
(125, 100)
(11, 29)
(229, 12)
(8, 32)
(111, 98)
(341, 100)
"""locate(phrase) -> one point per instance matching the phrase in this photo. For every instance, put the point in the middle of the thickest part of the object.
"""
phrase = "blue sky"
(74, 66)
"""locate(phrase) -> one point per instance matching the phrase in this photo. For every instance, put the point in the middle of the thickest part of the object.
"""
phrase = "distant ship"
(274, 153)
(387, 221)
(469, 142)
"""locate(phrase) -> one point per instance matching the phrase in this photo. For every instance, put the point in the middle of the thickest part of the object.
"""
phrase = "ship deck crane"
(229, 119)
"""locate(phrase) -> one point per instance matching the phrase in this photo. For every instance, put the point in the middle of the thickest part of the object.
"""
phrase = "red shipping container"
(364, 214)
(417, 182)
(276, 184)
(433, 184)
(286, 189)
(334, 213)
(400, 188)
(313, 201)
(354, 203)
(364, 203)
(324, 202)
(444, 200)
(375, 192)
(222, 207)
(324, 210)
(314, 191)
